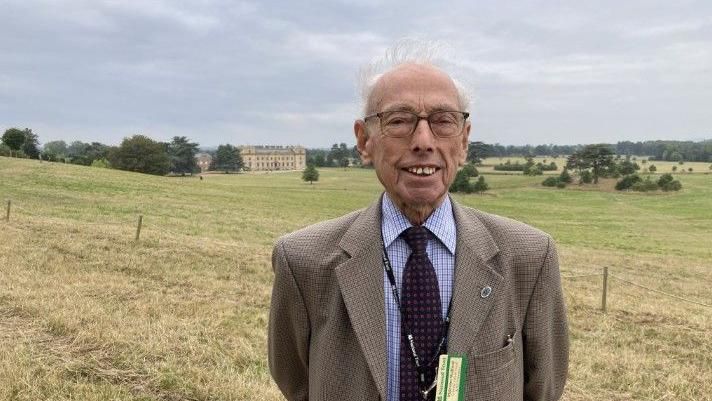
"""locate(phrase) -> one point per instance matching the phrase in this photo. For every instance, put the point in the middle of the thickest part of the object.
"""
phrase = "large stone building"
(266, 158)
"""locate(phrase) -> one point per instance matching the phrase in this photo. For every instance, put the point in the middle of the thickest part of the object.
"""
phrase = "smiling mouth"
(422, 170)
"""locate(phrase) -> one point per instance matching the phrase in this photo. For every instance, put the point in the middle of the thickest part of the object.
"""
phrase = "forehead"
(413, 86)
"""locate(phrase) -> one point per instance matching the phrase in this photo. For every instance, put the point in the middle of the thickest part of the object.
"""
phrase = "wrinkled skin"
(422, 89)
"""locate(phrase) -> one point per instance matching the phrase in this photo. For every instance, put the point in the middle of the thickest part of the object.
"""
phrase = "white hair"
(408, 51)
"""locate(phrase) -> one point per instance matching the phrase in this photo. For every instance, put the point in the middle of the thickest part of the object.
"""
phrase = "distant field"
(88, 314)
(661, 166)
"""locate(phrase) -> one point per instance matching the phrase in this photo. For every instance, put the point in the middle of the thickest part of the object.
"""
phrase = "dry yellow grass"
(86, 313)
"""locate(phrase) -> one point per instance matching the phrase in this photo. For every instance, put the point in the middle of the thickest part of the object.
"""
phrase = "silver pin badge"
(486, 291)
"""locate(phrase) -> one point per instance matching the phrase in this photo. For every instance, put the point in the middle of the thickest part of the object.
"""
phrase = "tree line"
(137, 153)
(657, 150)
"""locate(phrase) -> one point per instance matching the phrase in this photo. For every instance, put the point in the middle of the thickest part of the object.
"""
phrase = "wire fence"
(166, 233)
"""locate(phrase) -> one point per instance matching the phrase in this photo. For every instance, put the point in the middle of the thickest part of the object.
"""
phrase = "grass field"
(661, 166)
(86, 313)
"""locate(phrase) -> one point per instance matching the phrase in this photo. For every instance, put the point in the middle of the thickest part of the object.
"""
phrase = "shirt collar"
(441, 223)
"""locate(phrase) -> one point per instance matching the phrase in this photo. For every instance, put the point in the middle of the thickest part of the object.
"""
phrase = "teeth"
(422, 170)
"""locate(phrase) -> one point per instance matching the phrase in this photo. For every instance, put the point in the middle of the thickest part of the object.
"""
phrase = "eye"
(443, 118)
(398, 118)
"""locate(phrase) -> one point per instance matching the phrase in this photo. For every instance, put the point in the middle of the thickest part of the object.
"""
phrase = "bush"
(5, 150)
(470, 170)
(586, 177)
(480, 186)
(645, 185)
(627, 182)
(461, 182)
(551, 182)
(665, 179)
(533, 170)
(674, 185)
(560, 184)
(652, 168)
(101, 163)
(565, 177)
(509, 166)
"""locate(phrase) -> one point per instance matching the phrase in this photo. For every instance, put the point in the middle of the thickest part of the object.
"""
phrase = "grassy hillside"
(86, 313)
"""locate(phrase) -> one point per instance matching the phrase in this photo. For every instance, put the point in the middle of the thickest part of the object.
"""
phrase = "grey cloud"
(280, 72)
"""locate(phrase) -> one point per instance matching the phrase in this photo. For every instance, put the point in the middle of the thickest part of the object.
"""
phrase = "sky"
(284, 73)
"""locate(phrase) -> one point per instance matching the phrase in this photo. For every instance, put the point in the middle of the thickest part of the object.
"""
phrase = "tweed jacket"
(327, 325)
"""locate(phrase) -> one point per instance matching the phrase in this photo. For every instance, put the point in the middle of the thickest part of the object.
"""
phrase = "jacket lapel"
(474, 271)
(361, 283)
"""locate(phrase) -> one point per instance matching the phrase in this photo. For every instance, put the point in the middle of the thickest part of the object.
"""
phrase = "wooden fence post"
(7, 216)
(138, 228)
(605, 288)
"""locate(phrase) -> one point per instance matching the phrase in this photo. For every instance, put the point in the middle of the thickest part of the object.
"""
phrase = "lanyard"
(442, 345)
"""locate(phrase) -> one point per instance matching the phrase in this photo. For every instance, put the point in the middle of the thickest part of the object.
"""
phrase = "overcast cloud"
(284, 73)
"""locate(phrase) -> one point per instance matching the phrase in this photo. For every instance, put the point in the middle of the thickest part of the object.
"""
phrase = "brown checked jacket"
(327, 325)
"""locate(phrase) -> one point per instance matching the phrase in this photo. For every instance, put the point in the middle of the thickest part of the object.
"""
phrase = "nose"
(423, 139)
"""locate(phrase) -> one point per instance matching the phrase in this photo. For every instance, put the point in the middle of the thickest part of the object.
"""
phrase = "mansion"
(266, 158)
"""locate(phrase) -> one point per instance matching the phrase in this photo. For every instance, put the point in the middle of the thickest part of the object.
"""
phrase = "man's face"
(423, 90)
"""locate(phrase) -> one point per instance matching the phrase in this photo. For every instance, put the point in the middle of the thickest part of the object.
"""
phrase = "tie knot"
(417, 238)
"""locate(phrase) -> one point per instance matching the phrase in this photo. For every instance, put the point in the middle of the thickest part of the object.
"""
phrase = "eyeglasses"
(401, 123)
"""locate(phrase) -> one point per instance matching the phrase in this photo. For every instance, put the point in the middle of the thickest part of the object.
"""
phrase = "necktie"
(421, 302)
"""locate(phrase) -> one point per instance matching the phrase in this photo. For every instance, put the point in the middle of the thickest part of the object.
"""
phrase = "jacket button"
(486, 291)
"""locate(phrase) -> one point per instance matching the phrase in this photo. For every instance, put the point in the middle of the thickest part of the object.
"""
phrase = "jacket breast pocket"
(493, 375)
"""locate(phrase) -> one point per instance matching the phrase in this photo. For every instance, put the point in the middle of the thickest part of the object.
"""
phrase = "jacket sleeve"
(288, 333)
(545, 334)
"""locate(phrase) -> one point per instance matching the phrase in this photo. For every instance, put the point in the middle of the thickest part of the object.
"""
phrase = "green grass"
(86, 313)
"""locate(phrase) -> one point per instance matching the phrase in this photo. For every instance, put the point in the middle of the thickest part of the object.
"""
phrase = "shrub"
(560, 184)
(480, 186)
(645, 185)
(673, 185)
(689, 169)
(652, 168)
(674, 168)
(101, 163)
(470, 170)
(551, 182)
(627, 182)
(665, 179)
(533, 170)
(565, 177)
(586, 177)
(6, 151)
(461, 183)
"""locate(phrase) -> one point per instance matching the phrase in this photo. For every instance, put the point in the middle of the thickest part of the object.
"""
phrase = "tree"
(480, 185)
(31, 144)
(227, 158)
(54, 150)
(627, 182)
(599, 157)
(470, 169)
(565, 177)
(13, 138)
(476, 151)
(310, 174)
(461, 183)
(182, 155)
(141, 154)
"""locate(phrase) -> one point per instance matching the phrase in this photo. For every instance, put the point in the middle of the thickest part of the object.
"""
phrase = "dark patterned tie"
(421, 301)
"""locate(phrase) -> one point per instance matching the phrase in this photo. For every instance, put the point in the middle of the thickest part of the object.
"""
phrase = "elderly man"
(364, 305)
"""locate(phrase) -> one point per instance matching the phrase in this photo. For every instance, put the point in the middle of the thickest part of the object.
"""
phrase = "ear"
(465, 143)
(363, 141)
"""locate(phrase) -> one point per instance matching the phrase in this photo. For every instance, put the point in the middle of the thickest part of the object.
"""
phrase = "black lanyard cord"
(442, 345)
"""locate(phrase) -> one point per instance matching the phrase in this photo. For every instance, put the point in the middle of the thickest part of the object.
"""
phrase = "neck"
(417, 214)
